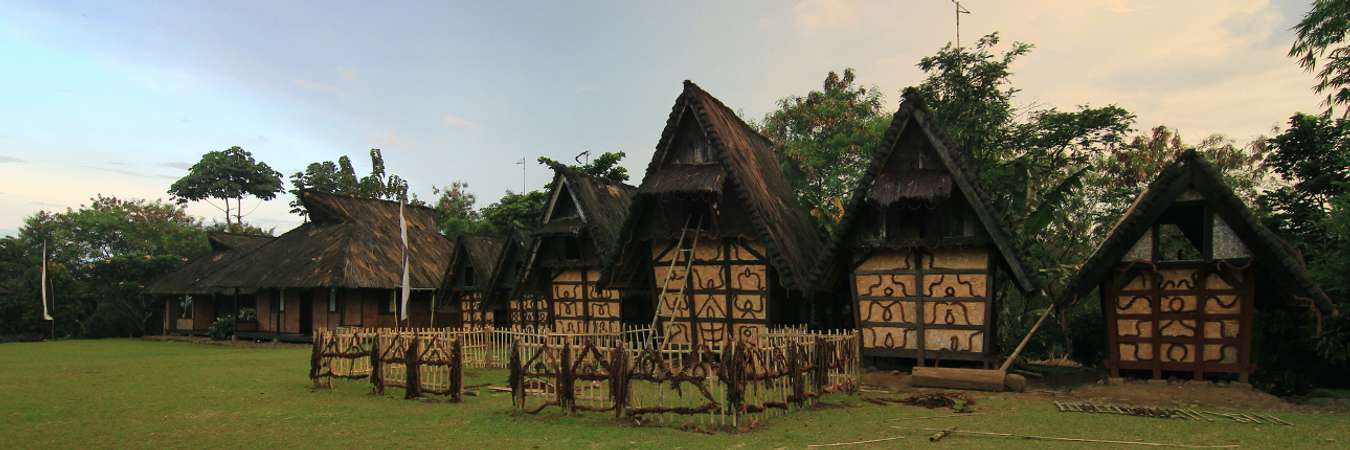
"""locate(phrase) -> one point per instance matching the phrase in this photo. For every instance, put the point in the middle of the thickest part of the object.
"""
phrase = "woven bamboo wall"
(727, 288)
(925, 303)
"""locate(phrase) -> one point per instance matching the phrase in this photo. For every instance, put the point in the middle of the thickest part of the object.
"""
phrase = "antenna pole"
(959, 11)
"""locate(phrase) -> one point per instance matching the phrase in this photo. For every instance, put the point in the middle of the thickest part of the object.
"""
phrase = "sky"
(119, 98)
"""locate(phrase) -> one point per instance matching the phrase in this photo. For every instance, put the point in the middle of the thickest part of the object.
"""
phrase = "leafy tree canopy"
(340, 178)
(1321, 40)
(605, 166)
(825, 140)
(101, 256)
(229, 174)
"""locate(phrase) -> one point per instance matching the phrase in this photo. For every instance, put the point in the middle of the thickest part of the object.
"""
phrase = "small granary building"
(191, 306)
(342, 268)
(920, 249)
(524, 309)
(716, 234)
(578, 231)
(466, 297)
(1185, 274)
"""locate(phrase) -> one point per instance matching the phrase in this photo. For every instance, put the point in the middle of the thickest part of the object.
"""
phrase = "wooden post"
(412, 383)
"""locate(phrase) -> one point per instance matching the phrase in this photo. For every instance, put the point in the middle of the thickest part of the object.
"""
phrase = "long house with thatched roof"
(919, 248)
(466, 297)
(563, 263)
(342, 268)
(190, 305)
(1184, 275)
(715, 233)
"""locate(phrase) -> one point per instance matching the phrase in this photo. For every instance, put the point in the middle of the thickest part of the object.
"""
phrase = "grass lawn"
(139, 394)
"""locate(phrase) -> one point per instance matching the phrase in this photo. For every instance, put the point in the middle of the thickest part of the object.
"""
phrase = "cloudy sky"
(120, 97)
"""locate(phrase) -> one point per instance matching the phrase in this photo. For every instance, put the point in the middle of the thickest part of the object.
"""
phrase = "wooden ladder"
(688, 254)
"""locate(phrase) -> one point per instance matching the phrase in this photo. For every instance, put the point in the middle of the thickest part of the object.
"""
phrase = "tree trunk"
(239, 211)
(227, 213)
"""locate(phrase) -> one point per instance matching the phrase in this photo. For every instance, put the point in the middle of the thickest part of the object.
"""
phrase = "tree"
(604, 166)
(520, 212)
(970, 93)
(457, 212)
(101, 256)
(227, 174)
(826, 140)
(340, 178)
(1321, 36)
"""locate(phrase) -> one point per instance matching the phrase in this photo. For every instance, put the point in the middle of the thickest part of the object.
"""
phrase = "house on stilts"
(190, 305)
(716, 234)
(921, 250)
(563, 264)
(342, 268)
(1184, 275)
(465, 299)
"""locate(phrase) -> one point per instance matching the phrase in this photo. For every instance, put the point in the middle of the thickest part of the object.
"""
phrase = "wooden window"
(390, 306)
(185, 307)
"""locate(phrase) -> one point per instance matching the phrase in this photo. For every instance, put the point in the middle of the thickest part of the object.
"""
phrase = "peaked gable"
(727, 151)
(928, 171)
(477, 251)
(1192, 177)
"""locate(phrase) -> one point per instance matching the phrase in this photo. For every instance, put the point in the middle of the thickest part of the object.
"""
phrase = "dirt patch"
(225, 343)
(1089, 385)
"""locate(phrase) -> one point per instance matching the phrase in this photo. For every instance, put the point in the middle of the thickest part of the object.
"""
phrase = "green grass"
(143, 394)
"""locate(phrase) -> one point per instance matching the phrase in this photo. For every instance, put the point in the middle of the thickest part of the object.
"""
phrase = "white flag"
(46, 315)
(403, 234)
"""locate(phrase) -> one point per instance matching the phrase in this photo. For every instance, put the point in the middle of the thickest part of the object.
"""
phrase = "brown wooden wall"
(926, 304)
(725, 292)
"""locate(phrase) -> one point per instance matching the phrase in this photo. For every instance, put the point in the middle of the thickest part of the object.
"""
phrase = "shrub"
(248, 314)
(221, 329)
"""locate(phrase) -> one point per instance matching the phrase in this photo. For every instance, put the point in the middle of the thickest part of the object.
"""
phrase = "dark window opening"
(185, 308)
(1180, 233)
(390, 306)
(571, 248)
(332, 301)
(468, 278)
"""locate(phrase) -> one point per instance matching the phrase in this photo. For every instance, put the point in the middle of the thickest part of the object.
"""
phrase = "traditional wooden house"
(342, 268)
(716, 234)
(578, 232)
(527, 309)
(1185, 273)
(191, 306)
(464, 300)
(921, 250)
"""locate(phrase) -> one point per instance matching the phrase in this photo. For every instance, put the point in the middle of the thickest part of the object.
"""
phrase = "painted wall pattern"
(579, 306)
(725, 292)
(1180, 317)
(924, 304)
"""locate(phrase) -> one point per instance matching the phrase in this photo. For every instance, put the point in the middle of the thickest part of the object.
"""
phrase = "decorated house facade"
(921, 251)
(1186, 273)
(466, 299)
(342, 268)
(715, 234)
(190, 305)
(565, 256)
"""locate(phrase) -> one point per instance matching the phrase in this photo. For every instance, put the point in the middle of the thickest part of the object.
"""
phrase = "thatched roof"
(882, 188)
(474, 250)
(226, 248)
(349, 242)
(603, 204)
(512, 255)
(1191, 172)
(748, 160)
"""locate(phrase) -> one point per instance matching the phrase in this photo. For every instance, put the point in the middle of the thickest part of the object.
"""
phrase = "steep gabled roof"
(349, 242)
(748, 160)
(1191, 171)
(226, 248)
(513, 251)
(603, 205)
(914, 113)
(475, 250)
